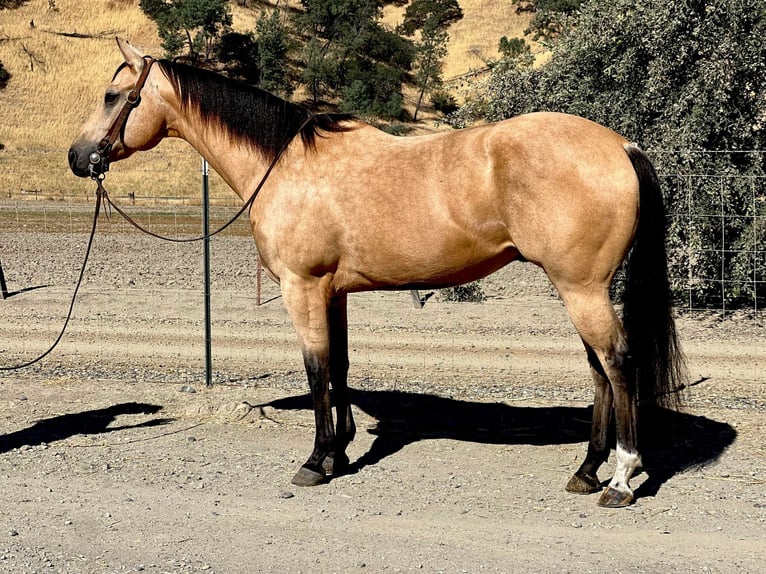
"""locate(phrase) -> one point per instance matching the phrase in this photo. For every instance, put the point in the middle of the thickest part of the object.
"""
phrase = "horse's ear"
(133, 57)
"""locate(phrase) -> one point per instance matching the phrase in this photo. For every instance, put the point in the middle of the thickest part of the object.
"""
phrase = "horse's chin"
(81, 173)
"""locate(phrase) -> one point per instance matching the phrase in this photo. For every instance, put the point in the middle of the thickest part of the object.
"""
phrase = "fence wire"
(717, 242)
(717, 250)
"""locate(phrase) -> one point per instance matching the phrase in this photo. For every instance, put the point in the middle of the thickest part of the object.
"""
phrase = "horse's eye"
(110, 98)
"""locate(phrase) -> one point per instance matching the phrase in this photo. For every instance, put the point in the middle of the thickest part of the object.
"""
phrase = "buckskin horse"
(349, 208)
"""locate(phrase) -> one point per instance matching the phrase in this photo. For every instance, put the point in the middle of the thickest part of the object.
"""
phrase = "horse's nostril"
(72, 158)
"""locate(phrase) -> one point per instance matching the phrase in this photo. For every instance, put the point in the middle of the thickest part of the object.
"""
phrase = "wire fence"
(717, 286)
(717, 254)
(717, 242)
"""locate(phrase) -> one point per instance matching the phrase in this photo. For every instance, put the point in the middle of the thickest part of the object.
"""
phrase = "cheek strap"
(99, 159)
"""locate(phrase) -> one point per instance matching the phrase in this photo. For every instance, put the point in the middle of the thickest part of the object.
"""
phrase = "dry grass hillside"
(58, 75)
(474, 39)
(57, 80)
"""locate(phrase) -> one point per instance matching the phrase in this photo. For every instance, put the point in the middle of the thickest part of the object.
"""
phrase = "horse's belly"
(421, 267)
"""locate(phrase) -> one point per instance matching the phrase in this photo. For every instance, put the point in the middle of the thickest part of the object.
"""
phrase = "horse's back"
(556, 189)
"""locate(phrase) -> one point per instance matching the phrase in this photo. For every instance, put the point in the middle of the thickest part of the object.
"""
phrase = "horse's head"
(120, 126)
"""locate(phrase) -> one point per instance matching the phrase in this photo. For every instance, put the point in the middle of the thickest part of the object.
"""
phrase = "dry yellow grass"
(57, 81)
(473, 40)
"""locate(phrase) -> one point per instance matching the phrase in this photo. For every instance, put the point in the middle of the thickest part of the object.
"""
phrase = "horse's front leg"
(346, 428)
(307, 302)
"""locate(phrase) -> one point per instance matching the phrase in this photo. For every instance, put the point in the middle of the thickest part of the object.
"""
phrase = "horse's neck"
(240, 166)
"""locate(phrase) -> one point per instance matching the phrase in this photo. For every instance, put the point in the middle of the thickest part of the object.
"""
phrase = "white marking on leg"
(627, 463)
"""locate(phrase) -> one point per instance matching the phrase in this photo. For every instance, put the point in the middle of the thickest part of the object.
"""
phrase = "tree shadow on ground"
(88, 422)
(680, 441)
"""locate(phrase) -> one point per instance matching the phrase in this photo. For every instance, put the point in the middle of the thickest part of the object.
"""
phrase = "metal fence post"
(206, 272)
(3, 287)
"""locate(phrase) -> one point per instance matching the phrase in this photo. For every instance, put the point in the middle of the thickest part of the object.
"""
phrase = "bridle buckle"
(134, 97)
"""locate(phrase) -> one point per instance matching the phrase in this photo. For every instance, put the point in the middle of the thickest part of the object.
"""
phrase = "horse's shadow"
(681, 440)
(88, 422)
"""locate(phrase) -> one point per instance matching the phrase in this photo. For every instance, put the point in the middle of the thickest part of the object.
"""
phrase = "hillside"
(58, 79)
(474, 39)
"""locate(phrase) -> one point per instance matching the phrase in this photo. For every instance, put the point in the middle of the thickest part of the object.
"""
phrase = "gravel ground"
(115, 457)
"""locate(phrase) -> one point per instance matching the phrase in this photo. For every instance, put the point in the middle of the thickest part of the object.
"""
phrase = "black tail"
(647, 312)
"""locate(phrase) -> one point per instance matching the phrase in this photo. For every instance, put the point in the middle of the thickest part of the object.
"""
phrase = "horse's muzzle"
(79, 163)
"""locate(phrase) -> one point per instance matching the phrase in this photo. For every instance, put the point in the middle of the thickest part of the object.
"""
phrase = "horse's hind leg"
(585, 480)
(595, 320)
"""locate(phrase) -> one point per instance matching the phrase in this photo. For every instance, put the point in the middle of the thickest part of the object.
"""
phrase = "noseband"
(99, 159)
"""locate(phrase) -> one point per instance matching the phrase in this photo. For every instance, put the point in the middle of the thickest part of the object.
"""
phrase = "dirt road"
(471, 419)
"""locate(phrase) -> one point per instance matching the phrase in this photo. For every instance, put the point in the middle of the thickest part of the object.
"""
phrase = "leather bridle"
(99, 159)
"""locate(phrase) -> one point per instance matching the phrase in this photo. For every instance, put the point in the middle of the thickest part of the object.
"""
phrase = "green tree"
(685, 77)
(238, 53)
(273, 47)
(260, 57)
(552, 17)
(422, 14)
(431, 18)
(349, 55)
(515, 50)
(196, 25)
(333, 29)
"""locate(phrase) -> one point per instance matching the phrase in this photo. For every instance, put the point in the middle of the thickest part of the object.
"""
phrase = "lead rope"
(102, 196)
(138, 226)
(246, 207)
(99, 198)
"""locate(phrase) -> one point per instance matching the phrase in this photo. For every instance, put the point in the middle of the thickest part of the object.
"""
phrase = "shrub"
(468, 293)
(444, 102)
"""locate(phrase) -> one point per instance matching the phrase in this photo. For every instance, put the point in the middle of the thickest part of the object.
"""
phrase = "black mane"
(254, 116)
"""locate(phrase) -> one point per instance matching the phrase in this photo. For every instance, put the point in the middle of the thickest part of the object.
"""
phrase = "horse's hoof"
(335, 465)
(582, 483)
(613, 498)
(307, 477)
